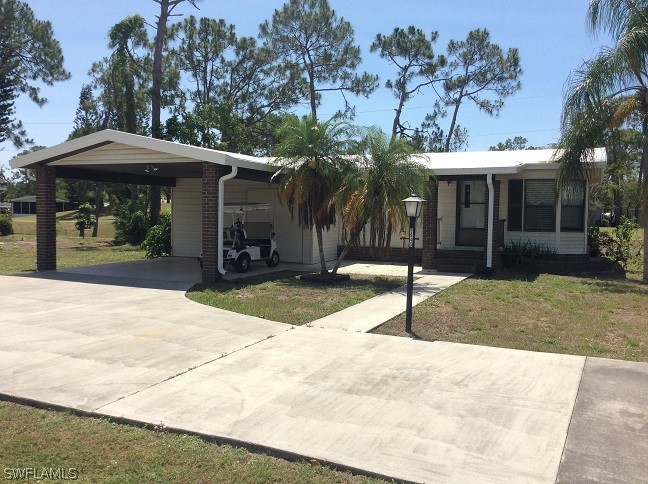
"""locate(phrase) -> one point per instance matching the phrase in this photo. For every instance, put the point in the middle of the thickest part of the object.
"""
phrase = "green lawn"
(103, 451)
(26, 225)
(18, 252)
(283, 297)
(591, 316)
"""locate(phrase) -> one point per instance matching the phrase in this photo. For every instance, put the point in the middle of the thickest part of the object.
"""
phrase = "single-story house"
(483, 200)
(27, 205)
(477, 199)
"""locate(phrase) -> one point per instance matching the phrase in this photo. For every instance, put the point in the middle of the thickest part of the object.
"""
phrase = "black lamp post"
(413, 206)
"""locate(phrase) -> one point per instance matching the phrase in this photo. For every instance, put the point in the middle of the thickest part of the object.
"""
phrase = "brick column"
(45, 218)
(211, 174)
(430, 216)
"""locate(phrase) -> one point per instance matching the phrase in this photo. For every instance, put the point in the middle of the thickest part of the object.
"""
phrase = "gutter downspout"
(491, 210)
(221, 208)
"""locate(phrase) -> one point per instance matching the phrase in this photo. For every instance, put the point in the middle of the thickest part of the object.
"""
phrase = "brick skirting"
(394, 254)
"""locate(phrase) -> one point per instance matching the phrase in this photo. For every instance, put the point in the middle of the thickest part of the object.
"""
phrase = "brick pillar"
(430, 216)
(45, 218)
(211, 174)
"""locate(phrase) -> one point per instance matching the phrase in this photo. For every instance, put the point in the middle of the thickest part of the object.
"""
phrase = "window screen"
(540, 205)
(572, 207)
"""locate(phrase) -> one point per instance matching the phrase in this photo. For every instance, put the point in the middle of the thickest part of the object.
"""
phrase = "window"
(540, 205)
(531, 205)
(572, 207)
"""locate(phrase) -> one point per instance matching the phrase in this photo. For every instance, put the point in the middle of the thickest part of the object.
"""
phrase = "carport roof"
(130, 154)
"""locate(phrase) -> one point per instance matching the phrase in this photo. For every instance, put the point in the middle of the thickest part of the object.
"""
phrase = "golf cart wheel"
(274, 260)
(242, 263)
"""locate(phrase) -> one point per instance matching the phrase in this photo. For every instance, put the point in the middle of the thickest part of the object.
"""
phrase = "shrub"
(131, 223)
(85, 219)
(517, 253)
(6, 224)
(618, 245)
(158, 237)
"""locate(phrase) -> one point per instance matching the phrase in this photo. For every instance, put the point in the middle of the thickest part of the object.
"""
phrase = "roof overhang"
(481, 163)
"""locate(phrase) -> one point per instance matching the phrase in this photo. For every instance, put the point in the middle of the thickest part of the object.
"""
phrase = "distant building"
(27, 205)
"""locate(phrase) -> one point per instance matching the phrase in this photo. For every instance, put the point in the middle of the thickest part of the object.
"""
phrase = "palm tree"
(379, 176)
(312, 157)
(620, 70)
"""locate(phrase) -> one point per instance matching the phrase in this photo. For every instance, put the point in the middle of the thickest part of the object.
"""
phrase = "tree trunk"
(155, 205)
(166, 6)
(353, 238)
(133, 193)
(446, 147)
(98, 206)
(320, 246)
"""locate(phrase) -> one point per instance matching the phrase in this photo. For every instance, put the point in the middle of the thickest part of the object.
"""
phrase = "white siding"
(288, 235)
(186, 233)
(186, 217)
(561, 242)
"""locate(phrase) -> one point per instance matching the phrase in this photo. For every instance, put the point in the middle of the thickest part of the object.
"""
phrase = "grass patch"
(18, 252)
(103, 451)
(26, 225)
(283, 297)
(590, 316)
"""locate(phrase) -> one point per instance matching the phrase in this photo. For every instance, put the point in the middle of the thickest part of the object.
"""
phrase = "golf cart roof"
(243, 207)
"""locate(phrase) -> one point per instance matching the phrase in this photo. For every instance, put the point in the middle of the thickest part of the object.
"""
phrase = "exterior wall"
(186, 232)
(186, 217)
(562, 242)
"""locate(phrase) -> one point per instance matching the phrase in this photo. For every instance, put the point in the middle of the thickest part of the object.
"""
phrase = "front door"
(471, 200)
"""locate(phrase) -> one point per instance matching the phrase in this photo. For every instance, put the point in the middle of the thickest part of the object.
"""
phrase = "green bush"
(131, 223)
(85, 218)
(517, 253)
(6, 224)
(618, 245)
(158, 237)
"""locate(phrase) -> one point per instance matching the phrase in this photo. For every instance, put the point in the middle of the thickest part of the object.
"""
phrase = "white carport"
(202, 180)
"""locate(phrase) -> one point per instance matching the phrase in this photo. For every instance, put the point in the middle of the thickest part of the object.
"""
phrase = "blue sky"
(551, 36)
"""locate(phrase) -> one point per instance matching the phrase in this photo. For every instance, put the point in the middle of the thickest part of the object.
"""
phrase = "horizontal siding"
(116, 152)
(186, 216)
(572, 243)
(330, 240)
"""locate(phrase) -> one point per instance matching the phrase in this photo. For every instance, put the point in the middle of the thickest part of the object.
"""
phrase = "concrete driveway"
(414, 410)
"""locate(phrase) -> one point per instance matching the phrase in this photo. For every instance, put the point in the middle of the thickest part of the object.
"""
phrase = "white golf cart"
(245, 242)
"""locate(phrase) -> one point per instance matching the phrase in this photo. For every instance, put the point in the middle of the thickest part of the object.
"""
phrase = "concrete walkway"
(433, 412)
(373, 312)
